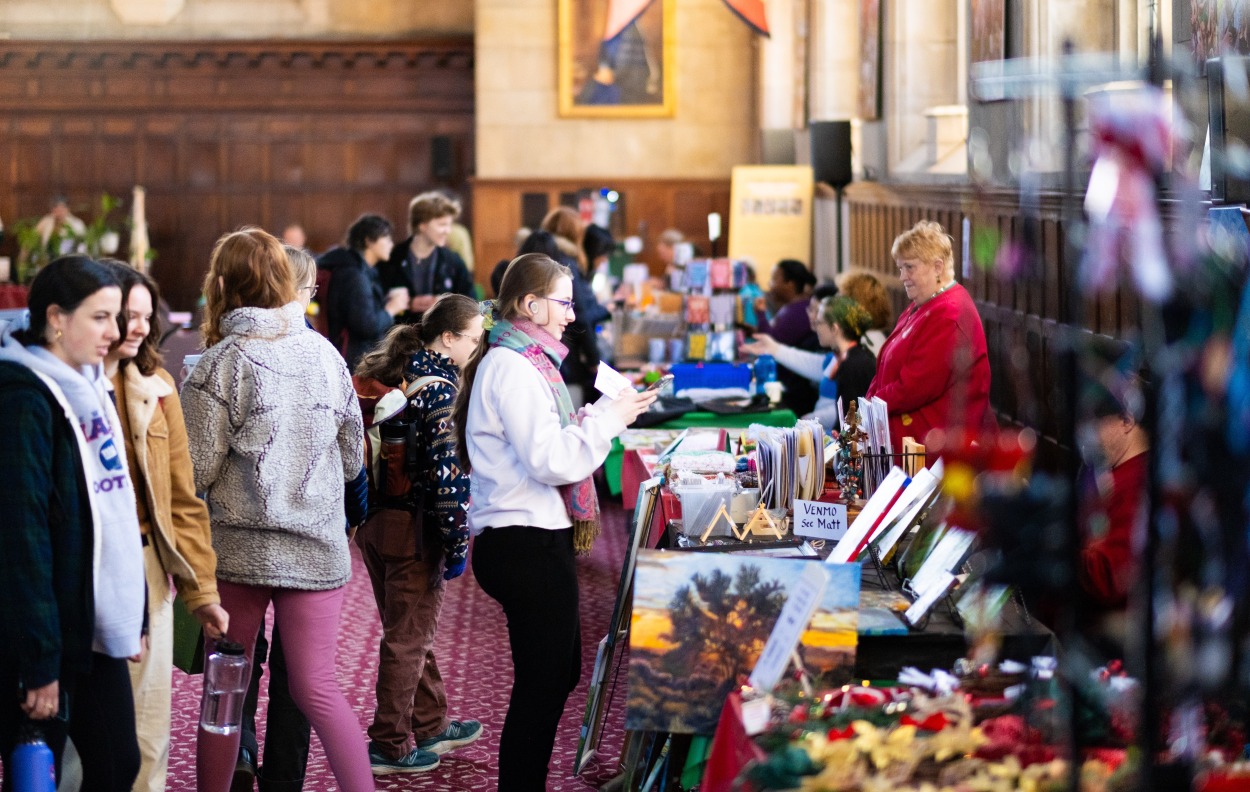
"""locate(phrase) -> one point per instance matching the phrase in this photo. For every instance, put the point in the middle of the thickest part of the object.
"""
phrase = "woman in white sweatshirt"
(533, 500)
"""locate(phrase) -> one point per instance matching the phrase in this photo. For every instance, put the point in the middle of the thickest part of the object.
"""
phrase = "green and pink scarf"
(546, 354)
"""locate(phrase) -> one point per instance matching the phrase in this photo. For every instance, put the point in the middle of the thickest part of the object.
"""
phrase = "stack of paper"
(790, 462)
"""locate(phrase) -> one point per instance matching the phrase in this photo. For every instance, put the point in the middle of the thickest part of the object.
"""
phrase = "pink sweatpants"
(309, 623)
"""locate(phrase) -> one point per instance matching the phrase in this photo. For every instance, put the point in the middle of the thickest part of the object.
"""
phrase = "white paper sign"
(756, 715)
(611, 382)
(794, 618)
(820, 520)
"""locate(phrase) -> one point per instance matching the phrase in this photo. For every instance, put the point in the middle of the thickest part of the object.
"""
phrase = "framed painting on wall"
(615, 58)
(988, 41)
(870, 60)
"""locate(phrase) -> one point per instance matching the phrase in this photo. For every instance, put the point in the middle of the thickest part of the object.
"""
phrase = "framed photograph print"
(616, 58)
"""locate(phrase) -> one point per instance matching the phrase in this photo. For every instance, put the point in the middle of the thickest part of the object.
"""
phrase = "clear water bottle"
(765, 372)
(31, 763)
(226, 676)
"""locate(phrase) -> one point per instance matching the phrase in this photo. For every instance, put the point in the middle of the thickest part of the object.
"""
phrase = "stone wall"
(519, 132)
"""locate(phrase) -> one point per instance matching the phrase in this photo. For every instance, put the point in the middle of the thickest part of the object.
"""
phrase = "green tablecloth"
(612, 465)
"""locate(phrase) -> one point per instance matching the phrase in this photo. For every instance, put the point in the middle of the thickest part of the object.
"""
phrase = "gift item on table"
(721, 347)
(790, 462)
(689, 461)
(722, 310)
(698, 310)
(697, 275)
(696, 346)
(720, 273)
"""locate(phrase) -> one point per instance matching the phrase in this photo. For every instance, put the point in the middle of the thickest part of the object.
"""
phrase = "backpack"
(392, 447)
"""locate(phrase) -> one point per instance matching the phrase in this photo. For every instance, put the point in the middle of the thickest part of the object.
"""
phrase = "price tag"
(756, 714)
(820, 520)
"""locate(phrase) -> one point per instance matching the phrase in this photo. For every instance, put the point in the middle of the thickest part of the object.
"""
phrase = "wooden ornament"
(762, 524)
(721, 514)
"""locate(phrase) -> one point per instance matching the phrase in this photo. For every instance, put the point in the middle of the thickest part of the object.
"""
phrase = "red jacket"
(933, 361)
(1108, 522)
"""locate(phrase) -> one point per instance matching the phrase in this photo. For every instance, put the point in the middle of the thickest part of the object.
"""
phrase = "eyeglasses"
(475, 339)
(312, 290)
(566, 304)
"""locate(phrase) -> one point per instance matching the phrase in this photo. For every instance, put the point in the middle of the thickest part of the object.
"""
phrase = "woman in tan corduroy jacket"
(174, 522)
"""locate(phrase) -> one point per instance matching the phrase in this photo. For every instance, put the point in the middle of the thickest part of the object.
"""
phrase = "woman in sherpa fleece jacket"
(275, 433)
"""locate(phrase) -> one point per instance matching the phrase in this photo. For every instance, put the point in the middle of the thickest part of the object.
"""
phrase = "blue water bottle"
(32, 764)
(765, 371)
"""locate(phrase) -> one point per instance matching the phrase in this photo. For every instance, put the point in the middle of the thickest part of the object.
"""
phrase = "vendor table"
(612, 466)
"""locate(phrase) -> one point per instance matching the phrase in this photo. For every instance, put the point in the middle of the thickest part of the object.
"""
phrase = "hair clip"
(489, 309)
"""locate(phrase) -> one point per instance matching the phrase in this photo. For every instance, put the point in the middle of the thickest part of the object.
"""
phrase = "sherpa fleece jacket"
(275, 432)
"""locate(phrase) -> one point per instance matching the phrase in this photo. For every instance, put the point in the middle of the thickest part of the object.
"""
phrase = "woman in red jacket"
(933, 371)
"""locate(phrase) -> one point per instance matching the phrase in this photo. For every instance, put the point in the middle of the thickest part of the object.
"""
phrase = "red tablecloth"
(732, 749)
(13, 296)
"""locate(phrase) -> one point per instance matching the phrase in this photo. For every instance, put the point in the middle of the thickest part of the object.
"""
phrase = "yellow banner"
(770, 216)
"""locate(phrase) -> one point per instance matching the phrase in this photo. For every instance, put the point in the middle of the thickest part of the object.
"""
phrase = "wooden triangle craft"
(762, 524)
(721, 514)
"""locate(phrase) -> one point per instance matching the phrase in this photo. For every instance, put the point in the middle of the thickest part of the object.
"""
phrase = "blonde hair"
(926, 241)
(303, 266)
(248, 269)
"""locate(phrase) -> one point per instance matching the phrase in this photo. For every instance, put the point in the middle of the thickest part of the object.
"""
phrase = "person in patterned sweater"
(410, 558)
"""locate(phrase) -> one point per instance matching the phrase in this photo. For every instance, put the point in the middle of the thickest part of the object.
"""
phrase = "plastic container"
(710, 375)
(31, 765)
(699, 503)
(226, 677)
(765, 372)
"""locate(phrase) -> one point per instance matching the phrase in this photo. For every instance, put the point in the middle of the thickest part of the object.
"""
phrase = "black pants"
(286, 729)
(101, 723)
(531, 573)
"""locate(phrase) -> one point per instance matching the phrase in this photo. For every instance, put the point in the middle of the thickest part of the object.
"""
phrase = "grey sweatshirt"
(275, 431)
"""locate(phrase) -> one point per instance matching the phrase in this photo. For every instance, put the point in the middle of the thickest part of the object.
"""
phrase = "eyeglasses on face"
(312, 290)
(566, 304)
(475, 339)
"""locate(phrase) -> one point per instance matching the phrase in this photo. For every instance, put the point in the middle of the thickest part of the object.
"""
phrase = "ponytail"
(450, 313)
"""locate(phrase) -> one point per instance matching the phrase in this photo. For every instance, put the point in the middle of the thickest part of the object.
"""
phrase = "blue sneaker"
(457, 735)
(417, 761)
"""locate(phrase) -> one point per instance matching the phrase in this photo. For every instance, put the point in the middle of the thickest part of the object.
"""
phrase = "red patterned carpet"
(473, 655)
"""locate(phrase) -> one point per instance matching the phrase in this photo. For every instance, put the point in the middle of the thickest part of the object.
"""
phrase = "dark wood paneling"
(1023, 316)
(650, 207)
(223, 134)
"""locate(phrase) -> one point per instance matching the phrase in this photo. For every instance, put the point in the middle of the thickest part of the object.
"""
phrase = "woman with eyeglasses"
(532, 457)
(410, 552)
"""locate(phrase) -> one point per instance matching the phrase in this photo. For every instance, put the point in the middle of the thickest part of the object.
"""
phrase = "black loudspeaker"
(831, 152)
(442, 158)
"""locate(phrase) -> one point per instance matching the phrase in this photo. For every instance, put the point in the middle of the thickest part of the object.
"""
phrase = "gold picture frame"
(642, 87)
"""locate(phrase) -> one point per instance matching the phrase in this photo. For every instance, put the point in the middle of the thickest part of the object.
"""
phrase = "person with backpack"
(358, 310)
(415, 537)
